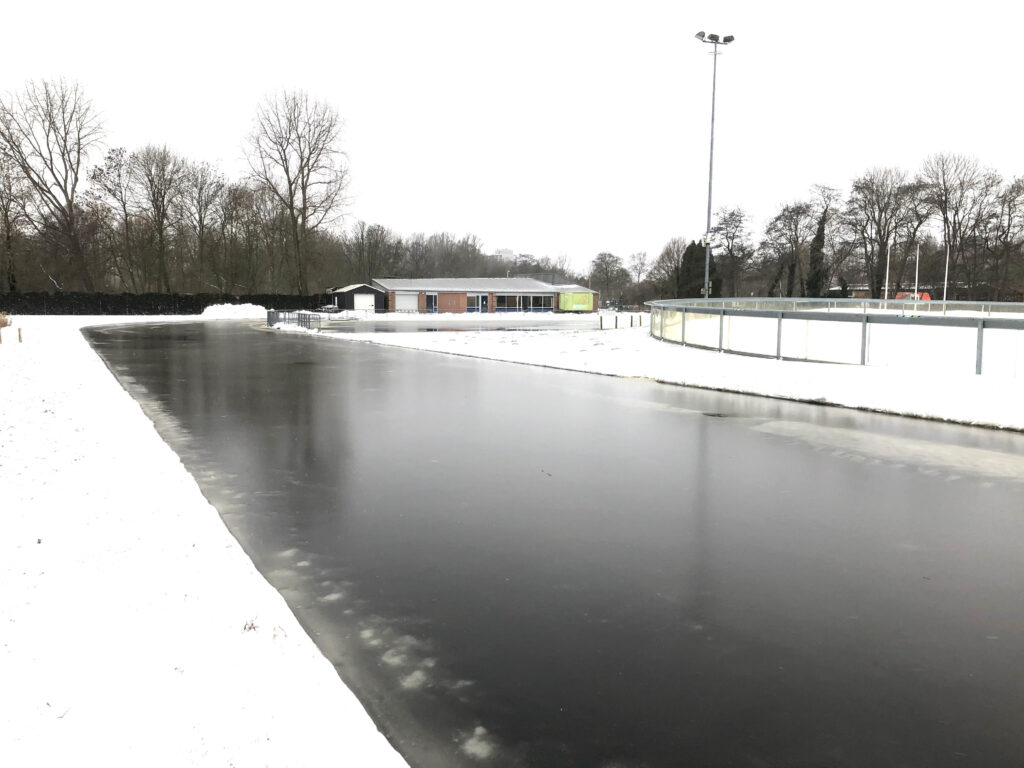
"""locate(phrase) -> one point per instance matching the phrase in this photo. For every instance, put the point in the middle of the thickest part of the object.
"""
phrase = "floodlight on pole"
(716, 41)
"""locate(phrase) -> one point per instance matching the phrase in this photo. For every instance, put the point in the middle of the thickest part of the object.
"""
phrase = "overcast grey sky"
(552, 128)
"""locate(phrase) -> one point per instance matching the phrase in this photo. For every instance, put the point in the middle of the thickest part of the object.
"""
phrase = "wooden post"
(19, 335)
(601, 318)
(616, 320)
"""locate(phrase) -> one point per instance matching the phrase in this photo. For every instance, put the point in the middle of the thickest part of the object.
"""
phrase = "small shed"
(360, 296)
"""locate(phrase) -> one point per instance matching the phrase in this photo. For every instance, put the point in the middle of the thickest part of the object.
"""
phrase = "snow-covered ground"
(133, 628)
(134, 631)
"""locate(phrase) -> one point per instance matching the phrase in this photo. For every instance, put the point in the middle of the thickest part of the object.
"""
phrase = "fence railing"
(308, 320)
(897, 306)
(920, 334)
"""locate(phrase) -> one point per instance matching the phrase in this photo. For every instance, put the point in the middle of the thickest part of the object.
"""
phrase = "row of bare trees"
(151, 220)
(844, 244)
(951, 206)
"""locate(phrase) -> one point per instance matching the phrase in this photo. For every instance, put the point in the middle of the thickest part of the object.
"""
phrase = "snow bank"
(135, 629)
(234, 312)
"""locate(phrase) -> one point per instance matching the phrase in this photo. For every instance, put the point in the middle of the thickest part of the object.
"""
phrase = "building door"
(407, 302)
(483, 303)
(431, 305)
(363, 301)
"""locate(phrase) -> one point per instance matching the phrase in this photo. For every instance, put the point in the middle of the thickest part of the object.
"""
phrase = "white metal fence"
(300, 318)
(937, 335)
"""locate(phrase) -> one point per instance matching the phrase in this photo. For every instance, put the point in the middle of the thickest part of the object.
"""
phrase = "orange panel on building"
(451, 302)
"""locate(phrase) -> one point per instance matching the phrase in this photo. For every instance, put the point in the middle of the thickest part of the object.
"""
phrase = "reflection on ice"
(931, 458)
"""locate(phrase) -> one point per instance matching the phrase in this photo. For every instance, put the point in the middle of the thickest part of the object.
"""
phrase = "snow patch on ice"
(479, 745)
(415, 680)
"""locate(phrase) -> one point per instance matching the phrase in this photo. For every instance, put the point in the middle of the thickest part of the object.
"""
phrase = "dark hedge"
(143, 303)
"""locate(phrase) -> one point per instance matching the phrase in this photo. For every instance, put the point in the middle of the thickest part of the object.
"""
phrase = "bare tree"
(638, 266)
(201, 189)
(956, 187)
(46, 131)
(112, 186)
(879, 206)
(785, 248)
(608, 275)
(158, 176)
(1005, 237)
(732, 243)
(13, 197)
(294, 154)
(372, 251)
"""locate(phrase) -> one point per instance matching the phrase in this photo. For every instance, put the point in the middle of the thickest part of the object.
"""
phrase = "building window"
(472, 302)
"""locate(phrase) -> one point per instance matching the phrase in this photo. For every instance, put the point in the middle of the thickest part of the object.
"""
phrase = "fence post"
(863, 339)
(682, 327)
(778, 339)
(981, 336)
(721, 327)
(601, 318)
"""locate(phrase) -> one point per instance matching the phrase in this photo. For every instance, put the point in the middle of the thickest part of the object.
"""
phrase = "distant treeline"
(76, 215)
(75, 303)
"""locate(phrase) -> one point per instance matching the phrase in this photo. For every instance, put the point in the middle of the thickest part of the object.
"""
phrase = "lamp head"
(700, 36)
(728, 39)
(713, 38)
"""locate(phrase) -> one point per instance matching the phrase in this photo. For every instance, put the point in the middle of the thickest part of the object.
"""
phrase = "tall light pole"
(715, 41)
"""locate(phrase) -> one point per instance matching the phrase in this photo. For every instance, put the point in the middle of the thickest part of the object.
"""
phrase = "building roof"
(475, 285)
(348, 288)
(466, 285)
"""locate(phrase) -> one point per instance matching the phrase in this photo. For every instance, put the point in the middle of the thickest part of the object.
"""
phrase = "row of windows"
(510, 302)
(478, 302)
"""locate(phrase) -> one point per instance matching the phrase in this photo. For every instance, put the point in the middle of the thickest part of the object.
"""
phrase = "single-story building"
(360, 296)
(484, 294)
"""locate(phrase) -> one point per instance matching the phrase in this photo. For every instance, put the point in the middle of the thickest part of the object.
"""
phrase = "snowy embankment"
(954, 396)
(135, 630)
